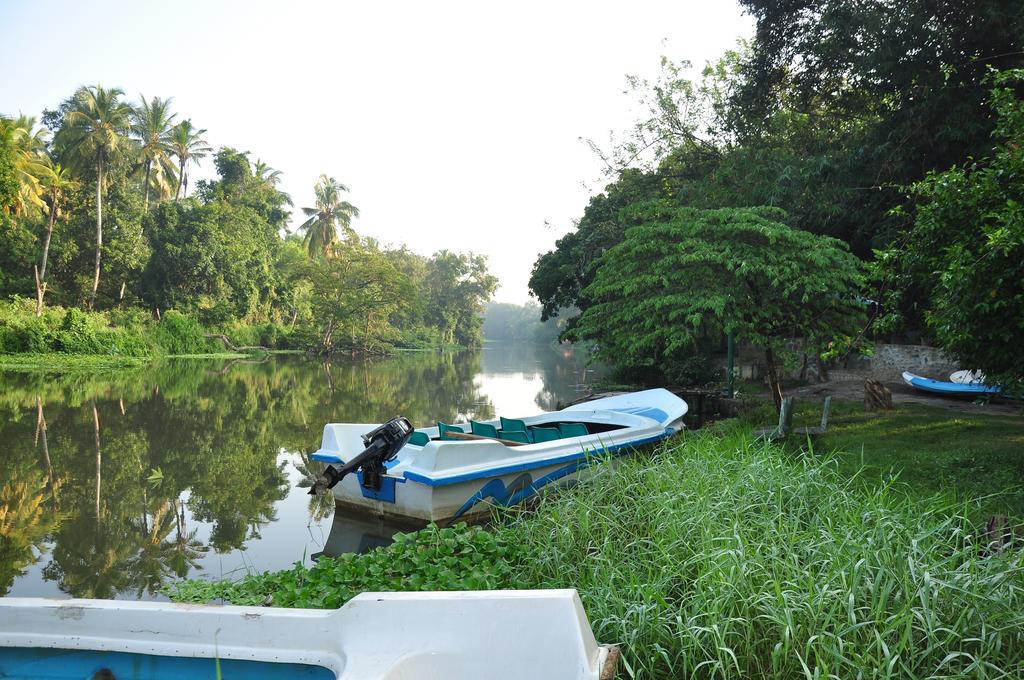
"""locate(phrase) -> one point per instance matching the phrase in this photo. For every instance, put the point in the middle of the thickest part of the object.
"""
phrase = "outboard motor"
(382, 445)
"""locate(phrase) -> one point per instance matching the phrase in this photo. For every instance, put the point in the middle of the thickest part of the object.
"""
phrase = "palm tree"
(56, 183)
(95, 132)
(266, 175)
(329, 214)
(152, 125)
(188, 145)
(30, 161)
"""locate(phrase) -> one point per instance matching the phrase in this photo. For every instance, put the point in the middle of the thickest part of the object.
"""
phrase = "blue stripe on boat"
(530, 465)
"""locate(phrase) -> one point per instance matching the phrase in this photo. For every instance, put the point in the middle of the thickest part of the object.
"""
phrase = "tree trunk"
(99, 230)
(327, 334)
(46, 242)
(773, 378)
(40, 291)
(99, 460)
(41, 425)
(145, 187)
(181, 174)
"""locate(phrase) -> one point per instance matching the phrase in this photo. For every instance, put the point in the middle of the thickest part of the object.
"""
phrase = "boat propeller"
(382, 445)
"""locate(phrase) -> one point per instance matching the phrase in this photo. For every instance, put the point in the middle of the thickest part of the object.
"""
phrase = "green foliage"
(453, 558)
(964, 256)
(458, 285)
(8, 169)
(887, 110)
(679, 272)
(179, 333)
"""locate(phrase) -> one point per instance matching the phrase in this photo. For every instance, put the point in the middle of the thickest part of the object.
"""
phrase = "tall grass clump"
(720, 558)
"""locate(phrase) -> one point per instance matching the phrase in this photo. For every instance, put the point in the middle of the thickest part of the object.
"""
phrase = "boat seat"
(573, 430)
(483, 429)
(545, 434)
(513, 424)
(419, 439)
(444, 428)
(514, 436)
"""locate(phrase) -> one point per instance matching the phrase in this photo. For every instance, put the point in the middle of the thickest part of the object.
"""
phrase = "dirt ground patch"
(850, 388)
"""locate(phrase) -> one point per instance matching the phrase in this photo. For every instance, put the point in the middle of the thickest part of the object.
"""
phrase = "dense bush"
(179, 333)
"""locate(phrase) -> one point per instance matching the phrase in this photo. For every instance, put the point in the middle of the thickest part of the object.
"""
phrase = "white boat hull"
(446, 481)
(540, 634)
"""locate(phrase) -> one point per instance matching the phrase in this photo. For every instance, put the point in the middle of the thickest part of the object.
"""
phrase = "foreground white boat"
(540, 634)
(441, 480)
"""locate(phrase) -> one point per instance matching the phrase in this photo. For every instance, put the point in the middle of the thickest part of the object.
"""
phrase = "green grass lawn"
(930, 449)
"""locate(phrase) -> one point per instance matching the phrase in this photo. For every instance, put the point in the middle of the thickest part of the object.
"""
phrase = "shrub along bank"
(131, 333)
(717, 557)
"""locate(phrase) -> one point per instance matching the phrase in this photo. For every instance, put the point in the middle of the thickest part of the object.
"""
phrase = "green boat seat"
(514, 436)
(483, 429)
(419, 439)
(573, 429)
(444, 428)
(544, 434)
(513, 424)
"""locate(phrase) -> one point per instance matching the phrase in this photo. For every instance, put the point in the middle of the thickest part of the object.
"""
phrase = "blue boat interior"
(23, 663)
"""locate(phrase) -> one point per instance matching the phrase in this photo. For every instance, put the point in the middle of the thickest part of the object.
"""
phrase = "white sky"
(454, 125)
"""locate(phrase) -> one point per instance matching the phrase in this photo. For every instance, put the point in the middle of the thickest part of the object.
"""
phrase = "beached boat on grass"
(952, 389)
(453, 472)
(540, 634)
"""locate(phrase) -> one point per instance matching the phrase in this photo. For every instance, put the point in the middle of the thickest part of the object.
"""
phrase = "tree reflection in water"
(134, 478)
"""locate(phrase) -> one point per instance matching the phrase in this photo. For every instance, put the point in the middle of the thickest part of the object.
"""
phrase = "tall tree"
(739, 269)
(458, 286)
(152, 125)
(188, 146)
(330, 214)
(95, 131)
(56, 184)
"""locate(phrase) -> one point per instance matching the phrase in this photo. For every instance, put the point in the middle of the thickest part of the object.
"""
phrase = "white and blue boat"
(951, 389)
(510, 634)
(457, 472)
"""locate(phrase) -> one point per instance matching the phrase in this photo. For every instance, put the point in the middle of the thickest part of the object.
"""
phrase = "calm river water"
(113, 485)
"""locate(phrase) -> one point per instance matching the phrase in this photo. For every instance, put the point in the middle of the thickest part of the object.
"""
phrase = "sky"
(455, 125)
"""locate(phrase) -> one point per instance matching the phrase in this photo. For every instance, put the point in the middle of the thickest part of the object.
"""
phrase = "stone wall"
(889, 362)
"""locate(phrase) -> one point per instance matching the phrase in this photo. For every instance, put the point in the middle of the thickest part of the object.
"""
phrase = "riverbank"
(721, 553)
(69, 340)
